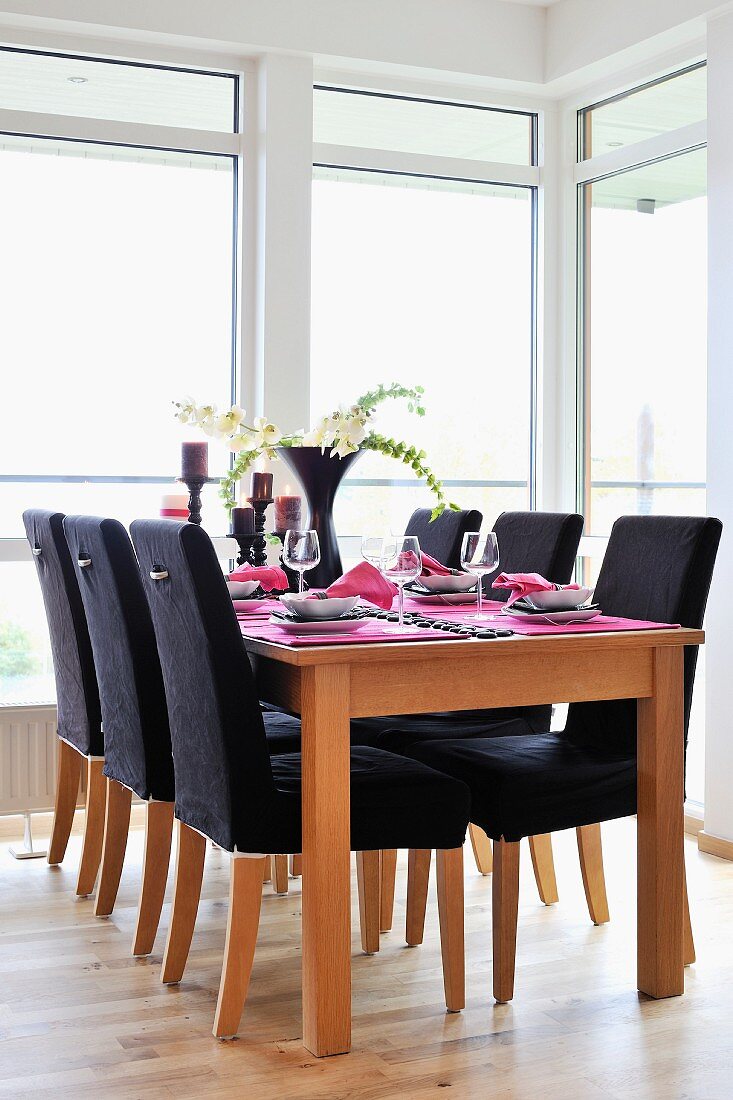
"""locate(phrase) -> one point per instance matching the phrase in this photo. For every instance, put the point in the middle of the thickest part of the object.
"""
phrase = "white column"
(719, 717)
(285, 169)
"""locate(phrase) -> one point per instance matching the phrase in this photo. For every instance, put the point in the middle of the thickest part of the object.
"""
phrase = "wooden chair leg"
(449, 865)
(187, 891)
(91, 850)
(544, 867)
(116, 829)
(368, 880)
(387, 875)
(688, 943)
(296, 865)
(156, 858)
(418, 874)
(68, 778)
(481, 849)
(281, 874)
(245, 899)
(267, 870)
(591, 868)
(505, 908)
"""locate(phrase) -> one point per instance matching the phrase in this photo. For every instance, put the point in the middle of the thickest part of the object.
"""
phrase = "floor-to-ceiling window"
(423, 273)
(643, 300)
(116, 297)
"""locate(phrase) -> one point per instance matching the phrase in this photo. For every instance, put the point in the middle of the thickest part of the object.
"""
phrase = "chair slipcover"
(227, 785)
(657, 568)
(134, 712)
(77, 697)
(441, 538)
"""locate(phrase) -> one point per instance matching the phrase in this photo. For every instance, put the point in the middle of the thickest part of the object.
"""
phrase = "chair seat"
(399, 732)
(395, 803)
(282, 731)
(536, 783)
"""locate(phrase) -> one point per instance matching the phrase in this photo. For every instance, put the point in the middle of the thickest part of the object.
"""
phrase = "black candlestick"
(244, 557)
(259, 542)
(194, 486)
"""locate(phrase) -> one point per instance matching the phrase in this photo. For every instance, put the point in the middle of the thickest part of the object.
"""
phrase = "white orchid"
(225, 424)
(265, 433)
(242, 441)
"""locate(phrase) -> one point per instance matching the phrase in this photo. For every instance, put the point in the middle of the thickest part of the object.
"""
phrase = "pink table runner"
(257, 625)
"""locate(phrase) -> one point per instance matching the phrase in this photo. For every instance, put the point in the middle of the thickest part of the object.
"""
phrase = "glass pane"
(26, 669)
(430, 287)
(678, 100)
(130, 308)
(645, 341)
(373, 121)
(61, 85)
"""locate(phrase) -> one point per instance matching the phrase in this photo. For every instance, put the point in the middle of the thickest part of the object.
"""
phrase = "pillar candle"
(243, 521)
(288, 513)
(261, 486)
(194, 460)
(174, 506)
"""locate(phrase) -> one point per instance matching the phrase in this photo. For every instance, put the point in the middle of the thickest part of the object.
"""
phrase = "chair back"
(536, 542)
(657, 568)
(441, 538)
(224, 783)
(134, 712)
(79, 716)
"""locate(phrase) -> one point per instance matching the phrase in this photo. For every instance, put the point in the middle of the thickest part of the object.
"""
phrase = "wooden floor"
(80, 1018)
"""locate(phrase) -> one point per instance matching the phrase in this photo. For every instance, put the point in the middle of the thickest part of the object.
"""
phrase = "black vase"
(320, 476)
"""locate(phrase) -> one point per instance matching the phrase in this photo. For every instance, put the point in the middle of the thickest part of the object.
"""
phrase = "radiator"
(28, 752)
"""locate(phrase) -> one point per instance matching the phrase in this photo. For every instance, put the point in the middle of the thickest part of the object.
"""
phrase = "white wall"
(719, 735)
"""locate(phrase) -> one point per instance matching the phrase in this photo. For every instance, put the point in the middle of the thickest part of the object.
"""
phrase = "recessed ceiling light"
(614, 144)
(77, 80)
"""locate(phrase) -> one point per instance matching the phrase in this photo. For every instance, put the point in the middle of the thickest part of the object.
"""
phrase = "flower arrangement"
(346, 430)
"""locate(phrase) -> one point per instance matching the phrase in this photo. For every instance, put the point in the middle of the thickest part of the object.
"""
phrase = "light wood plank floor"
(80, 1018)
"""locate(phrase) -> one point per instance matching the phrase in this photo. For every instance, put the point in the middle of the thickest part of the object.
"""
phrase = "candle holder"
(259, 542)
(194, 486)
(244, 557)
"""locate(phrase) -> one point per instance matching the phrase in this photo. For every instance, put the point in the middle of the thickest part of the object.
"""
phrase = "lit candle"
(287, 512)
(243, 521)
(194, 460)
(261, 486)
(174, 506)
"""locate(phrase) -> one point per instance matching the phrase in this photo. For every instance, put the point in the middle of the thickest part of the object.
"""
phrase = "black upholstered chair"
(657, 568)
(229, 788)
(529, 542)
(138, 756)
(441, 538)
(79, 719)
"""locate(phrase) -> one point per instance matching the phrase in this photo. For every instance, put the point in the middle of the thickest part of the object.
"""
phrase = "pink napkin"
(269, 577)
(365, 581)
(523, 584)
(432, 568)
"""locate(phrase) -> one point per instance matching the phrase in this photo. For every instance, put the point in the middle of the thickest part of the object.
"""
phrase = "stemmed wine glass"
(399, 560)
(479, 555)
(301, 551)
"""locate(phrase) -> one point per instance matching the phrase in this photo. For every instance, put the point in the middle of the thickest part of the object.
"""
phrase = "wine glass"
(400, 561)
(479, 555)
(372, 547)
(301, 551)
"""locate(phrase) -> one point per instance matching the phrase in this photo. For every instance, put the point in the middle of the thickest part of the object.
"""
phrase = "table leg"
(660, 800)
(326, 901)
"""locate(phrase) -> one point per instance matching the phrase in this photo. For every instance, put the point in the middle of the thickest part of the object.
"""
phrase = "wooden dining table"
(330, 684)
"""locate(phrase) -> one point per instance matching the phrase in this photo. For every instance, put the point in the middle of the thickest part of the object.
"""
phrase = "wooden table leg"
(326, 902)
(660, 799)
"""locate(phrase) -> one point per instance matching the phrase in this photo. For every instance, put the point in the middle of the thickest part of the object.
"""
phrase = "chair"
(137, 739)
(79, 720)
(230, 789)
(442, 538)
(529, 542)
(657, 568)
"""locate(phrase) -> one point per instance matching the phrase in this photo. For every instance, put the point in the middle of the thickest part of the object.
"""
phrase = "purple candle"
(287, 513)
(243, 521)
(261, 486)
(194, 460)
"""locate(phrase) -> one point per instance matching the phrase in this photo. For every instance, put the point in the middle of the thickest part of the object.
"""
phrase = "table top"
(378, 652)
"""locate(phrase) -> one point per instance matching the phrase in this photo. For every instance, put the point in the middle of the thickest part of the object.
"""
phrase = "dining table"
(330, 680)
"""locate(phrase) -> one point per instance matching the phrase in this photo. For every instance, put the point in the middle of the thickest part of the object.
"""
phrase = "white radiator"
(28, 751)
